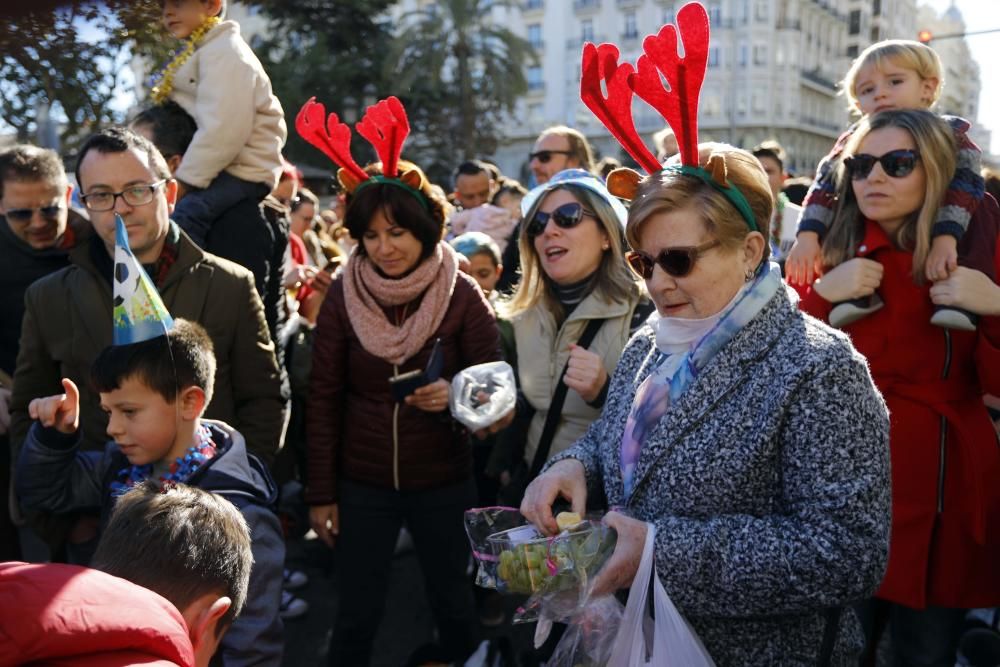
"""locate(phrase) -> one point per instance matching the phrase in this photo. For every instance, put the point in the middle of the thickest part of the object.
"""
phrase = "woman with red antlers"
(746, 438)
(380, 458)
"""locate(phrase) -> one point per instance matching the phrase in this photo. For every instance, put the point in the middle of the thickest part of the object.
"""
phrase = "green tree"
(459, 73)
(331, 49)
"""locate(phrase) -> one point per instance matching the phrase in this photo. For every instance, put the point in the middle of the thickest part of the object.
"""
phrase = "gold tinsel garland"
(164, 85)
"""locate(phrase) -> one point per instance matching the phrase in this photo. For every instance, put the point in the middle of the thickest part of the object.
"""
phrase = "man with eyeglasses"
(67, 313)
(36, 234)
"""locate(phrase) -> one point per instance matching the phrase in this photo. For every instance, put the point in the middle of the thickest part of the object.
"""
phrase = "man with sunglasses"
(122, 174)
(37, 230)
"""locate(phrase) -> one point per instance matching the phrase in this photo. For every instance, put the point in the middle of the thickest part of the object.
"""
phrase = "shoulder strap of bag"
(830, 629)
(556, 406)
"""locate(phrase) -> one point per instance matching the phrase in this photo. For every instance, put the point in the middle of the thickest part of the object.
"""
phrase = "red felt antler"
(679, 104)
(600, 63)
(386, 127)
(333, 137)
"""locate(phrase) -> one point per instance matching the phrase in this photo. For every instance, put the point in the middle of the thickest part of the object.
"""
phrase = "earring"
(606, 246)
(748, 275)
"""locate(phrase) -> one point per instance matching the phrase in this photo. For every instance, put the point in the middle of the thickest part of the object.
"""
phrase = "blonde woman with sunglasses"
(573, 272)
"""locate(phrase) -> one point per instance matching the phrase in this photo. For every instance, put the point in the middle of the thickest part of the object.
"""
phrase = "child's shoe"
(954, 318)
(846, 312)
(291, 606)
(293, 579)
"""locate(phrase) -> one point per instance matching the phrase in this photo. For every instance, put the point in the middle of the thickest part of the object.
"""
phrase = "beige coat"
(542, 352)
(241, 127)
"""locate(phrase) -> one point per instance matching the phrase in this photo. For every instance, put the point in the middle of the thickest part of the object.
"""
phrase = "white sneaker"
(954, 318)
(291, 606)
(846, 312)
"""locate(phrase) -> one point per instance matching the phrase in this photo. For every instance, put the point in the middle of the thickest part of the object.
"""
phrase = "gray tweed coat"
(768, 484)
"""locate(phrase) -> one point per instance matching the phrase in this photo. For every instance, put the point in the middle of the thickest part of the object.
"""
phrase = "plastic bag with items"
(590, 637)
(482, 394)
(556, 572)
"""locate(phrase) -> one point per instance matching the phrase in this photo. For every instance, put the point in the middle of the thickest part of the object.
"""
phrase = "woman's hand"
(496, 426)
(853, 279)
(969, 290)
(431, 397)
(566, 479)
(310, 306)
(298, 274)
(325, 520)
(620, 569)
(585, 373)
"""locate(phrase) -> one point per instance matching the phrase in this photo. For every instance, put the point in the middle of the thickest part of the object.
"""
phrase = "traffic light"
(924, 36)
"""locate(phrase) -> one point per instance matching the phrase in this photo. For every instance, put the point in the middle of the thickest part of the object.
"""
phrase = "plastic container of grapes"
(530, 563)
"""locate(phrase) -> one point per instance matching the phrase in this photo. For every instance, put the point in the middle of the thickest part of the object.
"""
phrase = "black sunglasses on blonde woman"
(566, 216)
(676, 262)
(896, 164)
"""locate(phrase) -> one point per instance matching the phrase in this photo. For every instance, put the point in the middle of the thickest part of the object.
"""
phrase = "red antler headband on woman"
(677, 103)
(384, 125)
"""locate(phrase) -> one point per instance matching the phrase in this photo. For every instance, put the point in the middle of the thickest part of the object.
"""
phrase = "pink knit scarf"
(366, 292)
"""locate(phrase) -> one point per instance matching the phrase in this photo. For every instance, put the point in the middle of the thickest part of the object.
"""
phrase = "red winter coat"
(945, 545)
(356, 430)
(69, 615)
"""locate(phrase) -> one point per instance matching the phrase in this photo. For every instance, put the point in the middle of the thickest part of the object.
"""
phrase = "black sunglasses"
(676, 262)
(24, 215)
(897, 164)
(566, 216)
(545, 156)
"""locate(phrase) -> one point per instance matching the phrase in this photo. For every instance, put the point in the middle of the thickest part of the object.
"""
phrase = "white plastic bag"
(482, 394)
(667, 641)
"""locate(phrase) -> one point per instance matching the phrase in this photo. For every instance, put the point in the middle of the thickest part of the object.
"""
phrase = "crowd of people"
(794, 392)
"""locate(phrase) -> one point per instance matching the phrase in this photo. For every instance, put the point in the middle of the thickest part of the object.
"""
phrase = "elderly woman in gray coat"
(750, 435)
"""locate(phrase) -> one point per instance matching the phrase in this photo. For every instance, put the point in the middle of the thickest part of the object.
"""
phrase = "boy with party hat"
(235, 153)
(154, 382)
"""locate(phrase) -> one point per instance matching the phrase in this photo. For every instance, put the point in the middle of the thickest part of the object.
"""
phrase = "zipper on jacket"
(395, 438)
(943, 438)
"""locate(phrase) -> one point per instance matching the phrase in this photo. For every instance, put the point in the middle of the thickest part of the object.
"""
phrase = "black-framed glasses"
(545, 156)
(135, 195)
(23, 216)
(566, 216)
(897, 164)
(676, 262)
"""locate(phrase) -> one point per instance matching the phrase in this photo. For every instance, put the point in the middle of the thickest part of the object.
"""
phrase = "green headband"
(730, 192)
(376, 178)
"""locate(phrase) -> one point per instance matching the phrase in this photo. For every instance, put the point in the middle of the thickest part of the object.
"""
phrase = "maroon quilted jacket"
(354, 428)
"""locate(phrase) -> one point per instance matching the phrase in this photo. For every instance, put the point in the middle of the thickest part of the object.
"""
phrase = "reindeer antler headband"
(677, 102)
(384, 125)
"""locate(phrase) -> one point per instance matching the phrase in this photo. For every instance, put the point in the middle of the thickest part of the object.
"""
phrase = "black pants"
(370, 519)
(919, 637)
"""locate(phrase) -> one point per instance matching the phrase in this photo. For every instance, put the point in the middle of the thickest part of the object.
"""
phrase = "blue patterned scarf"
(674, 371)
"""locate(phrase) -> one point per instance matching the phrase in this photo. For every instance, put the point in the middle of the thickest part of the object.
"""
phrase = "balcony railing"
(532, 5)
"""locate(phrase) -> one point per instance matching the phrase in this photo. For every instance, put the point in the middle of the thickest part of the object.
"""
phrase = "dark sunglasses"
(24, 215)
(896, 164)
(676, 262)
(566, 216)
(545, 156)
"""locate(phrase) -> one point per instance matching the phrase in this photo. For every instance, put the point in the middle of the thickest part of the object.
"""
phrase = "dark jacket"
(53, 475)
(21, 265)
(68, 322)
(358, 432)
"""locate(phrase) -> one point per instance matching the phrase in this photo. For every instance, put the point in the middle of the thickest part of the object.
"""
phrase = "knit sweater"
(768, 484)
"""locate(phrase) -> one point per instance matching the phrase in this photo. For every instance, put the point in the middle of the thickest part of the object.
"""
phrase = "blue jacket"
(53, 476)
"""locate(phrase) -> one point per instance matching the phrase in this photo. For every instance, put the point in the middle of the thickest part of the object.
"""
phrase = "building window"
(715, 14)
(712, 105)
(631, 31)
(741, 104)
(762, 10)
(713, 56)
(759, 54)
(758, 103)
(535, 112)
(852, 51)
(532, 4)
(854, 27)
(587, 30)
(668, 16)
(535, 35)
(744, 55)
(535, 80)
(876, 7)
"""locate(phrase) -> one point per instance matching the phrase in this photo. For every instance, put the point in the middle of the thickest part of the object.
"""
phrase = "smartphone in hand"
(405, 384)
